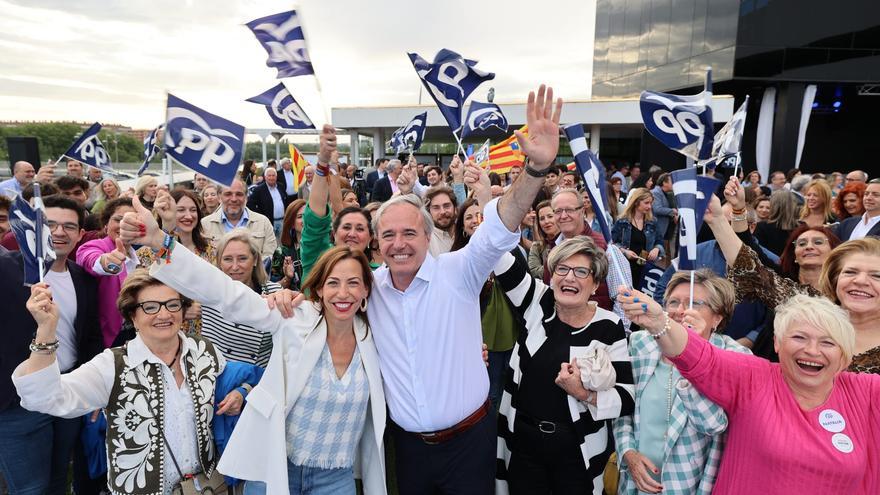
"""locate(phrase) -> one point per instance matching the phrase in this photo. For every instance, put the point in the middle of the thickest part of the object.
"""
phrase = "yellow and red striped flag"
(298, 166)
(506, 154)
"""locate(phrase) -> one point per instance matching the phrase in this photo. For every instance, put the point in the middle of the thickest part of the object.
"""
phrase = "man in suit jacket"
(286, 180)
(377, 174)
(36, 447)
(269, 199)
(387, 186)
(662, 211)
(868, 224)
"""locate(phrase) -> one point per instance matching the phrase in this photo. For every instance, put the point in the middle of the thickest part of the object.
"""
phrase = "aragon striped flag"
(298, 166)
(506, 154)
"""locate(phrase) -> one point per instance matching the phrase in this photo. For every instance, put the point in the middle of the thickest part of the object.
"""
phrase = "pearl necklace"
(668, 403)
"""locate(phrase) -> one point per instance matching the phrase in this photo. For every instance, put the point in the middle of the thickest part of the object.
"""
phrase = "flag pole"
(691, 303)
(458, 140)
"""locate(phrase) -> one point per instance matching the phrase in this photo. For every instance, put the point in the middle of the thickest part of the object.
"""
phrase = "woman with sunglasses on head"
(158, 390)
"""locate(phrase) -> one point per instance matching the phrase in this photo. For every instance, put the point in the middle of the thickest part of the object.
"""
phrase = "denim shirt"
(622, 232)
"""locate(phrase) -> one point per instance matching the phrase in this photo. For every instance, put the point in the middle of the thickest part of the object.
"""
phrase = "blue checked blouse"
(325, 425)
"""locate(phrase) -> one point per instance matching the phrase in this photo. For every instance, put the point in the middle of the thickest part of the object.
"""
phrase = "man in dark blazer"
(384, 189)
(270, 199)
(867, 224)
(377, 174)
(36, 447)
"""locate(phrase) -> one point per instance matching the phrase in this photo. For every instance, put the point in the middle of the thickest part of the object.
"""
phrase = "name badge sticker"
(842, 443)
(832, 421)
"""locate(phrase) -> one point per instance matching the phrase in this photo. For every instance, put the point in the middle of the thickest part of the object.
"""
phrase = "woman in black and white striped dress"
(554, 434)
(239, 257)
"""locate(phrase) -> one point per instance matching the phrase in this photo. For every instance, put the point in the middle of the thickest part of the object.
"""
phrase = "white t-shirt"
(64, 295)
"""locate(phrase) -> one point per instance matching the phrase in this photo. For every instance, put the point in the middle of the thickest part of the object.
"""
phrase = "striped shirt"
(326, 423)
(235, 341)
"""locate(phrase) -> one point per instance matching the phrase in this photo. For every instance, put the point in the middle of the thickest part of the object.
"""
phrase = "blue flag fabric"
(282, 37)
(593, 173)
(450, 79)
(151, 147)
(692, 195)
(89, 150)
(30, 229)
(681, 123)
(482, 116)
(202, 141)
(411, 135)
(283, 109)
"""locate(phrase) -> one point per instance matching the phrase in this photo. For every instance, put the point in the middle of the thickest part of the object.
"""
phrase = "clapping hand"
(542, 143)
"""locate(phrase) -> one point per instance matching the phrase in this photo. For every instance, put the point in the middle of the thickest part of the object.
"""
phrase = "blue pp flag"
(411, 135)
(450, 79)
(151, 147)
(481, 116)
(282, 37)
(30, 229)
(89, 150)
(692, 195)
(283, 109)
(593, 173)
(682, 123)
(202, 141)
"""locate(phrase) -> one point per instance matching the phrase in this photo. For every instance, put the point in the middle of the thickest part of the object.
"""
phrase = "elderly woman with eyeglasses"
(800, 426)
(673, 442)
(554, 432)
(158, 390)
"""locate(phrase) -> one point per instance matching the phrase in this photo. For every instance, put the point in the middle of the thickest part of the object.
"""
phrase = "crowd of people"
(416, 330)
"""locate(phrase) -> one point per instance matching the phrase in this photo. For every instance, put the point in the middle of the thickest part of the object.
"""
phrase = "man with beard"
(433, 176)
(442, 205)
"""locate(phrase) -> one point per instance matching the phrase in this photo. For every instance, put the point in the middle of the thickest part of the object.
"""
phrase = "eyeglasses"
(69, 227)
(675, 303)
(579, 271)
(567, 211)
(153, 307)
(816, 241)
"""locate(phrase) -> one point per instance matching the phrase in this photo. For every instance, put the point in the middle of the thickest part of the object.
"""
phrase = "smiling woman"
(803, 425)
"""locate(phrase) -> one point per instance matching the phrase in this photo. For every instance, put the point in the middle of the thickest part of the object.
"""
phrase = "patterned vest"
(136, 411)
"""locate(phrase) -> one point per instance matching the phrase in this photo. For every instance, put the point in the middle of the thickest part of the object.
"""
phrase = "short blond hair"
(258, 274)
(820, 313)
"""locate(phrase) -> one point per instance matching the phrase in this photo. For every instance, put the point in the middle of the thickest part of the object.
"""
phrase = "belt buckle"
(426, 437)
(546, 427)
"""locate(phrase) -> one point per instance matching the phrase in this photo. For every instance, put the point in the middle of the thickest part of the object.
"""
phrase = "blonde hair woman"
(817, 209)
(146, 189)
(636, 233)
(108, 190)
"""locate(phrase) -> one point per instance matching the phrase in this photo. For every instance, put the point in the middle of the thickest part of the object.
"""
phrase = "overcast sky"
(113, 61)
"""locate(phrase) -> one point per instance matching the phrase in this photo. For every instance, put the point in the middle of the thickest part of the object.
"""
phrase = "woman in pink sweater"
(801, 426)
(109, 260)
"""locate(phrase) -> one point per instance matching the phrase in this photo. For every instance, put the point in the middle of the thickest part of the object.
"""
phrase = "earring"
(364, 305)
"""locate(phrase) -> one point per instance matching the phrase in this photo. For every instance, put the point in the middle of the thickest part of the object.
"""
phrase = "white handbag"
(597, 373)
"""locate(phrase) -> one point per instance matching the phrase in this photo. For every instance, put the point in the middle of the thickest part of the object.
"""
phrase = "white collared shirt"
(864, 226)
(429, 337)
(277, 203)
(289, 182)
(88, 388)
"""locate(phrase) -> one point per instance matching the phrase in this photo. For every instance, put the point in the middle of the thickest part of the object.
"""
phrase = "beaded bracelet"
(665, 328)
(43, 347)
(167, 247)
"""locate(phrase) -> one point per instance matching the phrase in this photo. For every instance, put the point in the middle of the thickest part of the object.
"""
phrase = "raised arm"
(320, 189)
(541, 147)
(197, 279)
(727, 239)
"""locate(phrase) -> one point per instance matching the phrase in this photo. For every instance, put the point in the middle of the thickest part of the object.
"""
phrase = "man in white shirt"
(441, 204)
(22, 175)
(286, 179)
(269, 200)
(35, 453)
(426, 319)
(868, 224)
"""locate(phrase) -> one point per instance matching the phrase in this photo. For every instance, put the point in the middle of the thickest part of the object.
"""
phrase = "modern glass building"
(752, 46)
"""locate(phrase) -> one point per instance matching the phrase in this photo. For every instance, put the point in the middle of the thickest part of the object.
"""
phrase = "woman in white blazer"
(319, 411)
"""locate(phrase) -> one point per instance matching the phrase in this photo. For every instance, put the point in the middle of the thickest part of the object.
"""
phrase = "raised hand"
(113, 261)
(42, 307)
(327, 145)
(166, 208)
(46, 173)
(477, 179)
(407, 179)
(735, 194)
(140, 227)
(456, 169)
(542, 143)
(641, 309)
